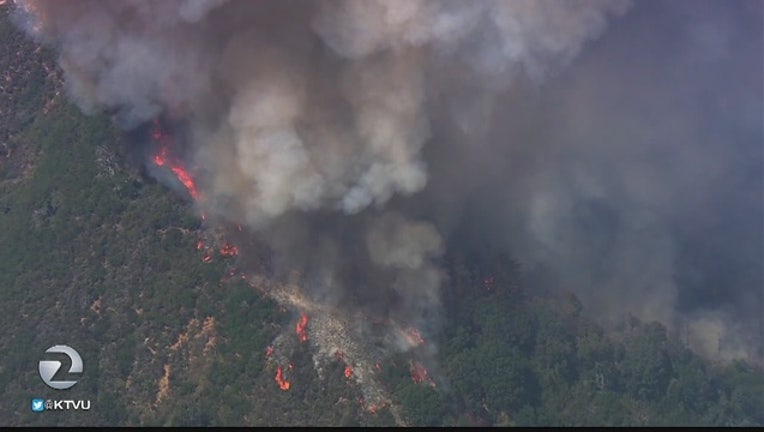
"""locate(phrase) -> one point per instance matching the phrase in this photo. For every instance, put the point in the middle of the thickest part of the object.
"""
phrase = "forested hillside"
(98, 255)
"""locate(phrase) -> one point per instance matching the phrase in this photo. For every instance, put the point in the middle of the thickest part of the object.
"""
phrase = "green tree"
(424, 406)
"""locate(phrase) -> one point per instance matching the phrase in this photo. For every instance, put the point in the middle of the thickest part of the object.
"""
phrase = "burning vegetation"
(302, 328)
(283, 383)
(329, 327)
(229, 250)
(419, 373)
(162, 159)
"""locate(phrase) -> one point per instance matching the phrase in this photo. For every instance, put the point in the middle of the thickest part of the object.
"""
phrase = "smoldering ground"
(616, 148)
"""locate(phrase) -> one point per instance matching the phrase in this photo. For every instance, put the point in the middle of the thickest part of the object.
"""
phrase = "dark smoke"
(356, 136)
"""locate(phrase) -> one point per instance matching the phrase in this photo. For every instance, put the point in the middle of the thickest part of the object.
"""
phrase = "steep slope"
(96, 255)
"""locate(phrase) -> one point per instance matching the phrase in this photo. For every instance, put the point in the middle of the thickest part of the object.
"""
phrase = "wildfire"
(374, 408)
(413, 337)
(302, 328)
(161, 159)
(199, 245)
(488, 283)
(156, 132)
(348, 371)
(419, 374)
(231, 274)
(158, 136)
(187, 181)
(229, 250)
(283, 384)
(207, 257)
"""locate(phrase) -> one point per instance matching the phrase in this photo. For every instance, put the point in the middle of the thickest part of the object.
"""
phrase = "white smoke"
(144, 57)
(358, 127)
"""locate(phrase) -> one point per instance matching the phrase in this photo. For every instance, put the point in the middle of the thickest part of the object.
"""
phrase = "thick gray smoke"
(358, 135)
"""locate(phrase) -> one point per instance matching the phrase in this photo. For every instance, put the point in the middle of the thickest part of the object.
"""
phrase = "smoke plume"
(359, 136)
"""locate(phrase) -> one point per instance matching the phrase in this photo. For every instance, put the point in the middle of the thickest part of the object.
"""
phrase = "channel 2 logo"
(49, 368)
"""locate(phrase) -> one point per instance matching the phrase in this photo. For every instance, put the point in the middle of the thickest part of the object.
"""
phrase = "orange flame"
(199, 245)
(283, 384)
(160, 159)
(413, 337)
(302, 331)
(187, 181)
(229, 250)
(419, 374)
(348, 371)
(207, 257)
(374, 408)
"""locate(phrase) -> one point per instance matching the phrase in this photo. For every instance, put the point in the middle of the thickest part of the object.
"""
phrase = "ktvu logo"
(48, 369)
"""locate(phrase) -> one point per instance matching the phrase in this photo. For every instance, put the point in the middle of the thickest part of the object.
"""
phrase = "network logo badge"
(49, 368)
(38, 405)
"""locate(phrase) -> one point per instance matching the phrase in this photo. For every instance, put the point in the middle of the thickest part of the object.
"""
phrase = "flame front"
(419, 374)
(412, 336)
(229, 250)
(161, 159)
(207, 257)
(186, 180)
(302, 328)
(283, 384)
